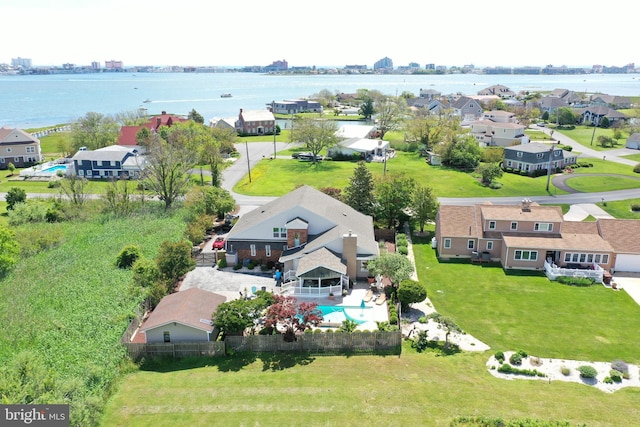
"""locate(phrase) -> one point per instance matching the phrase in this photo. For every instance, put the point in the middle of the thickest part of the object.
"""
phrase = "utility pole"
(549, 167)
(246, 144)
(594, 132)
(273, 111)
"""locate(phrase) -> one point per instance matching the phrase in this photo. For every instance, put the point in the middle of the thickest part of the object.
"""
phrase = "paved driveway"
(226, 283)
(630, 283)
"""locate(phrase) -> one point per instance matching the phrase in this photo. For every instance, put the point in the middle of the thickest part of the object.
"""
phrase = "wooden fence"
(133, 325)
(338, 342)
(175, 350)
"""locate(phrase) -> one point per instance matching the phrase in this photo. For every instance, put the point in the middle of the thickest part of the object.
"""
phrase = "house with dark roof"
(525, 237)
(611, 101)
(315, 238)
(18, 147)
(499, 90)
(594, 114)
(468, 109)
(184, 316)
(113, 161)
(536, 157)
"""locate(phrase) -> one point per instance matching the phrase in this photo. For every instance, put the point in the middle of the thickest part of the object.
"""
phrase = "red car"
(218, 243)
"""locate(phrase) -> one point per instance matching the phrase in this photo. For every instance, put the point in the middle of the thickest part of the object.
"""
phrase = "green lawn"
(411, 390)
(604, 166)
(590, 184)
(621, 209)
(519, 310)
(280, 176)
(635, 157)
(584, 134)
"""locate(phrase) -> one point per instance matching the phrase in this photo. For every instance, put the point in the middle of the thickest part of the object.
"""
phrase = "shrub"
(393, 315)
(53, 184)
(127, 256)
(401, 238)
(508, 369)
(495, 185)
(620, 366)
(515, 359)
(535, 361)
(499, 357)
(565, 371)
(616, 376)
(222, 262)
(607, 380)
(576, 281)
(587, 371)
(403, 250)
(420, 342)
(636, 168)
(635, 207)
(523, 353)
(238, 266)
(422, 319)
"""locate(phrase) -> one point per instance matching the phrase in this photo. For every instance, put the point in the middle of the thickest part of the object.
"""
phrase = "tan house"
(526, 236)
(490, 133)
(18, 147)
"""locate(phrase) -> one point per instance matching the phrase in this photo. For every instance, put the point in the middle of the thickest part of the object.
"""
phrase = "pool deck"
(354, 299)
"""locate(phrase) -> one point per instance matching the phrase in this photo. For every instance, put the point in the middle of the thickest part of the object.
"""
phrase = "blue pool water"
(338, 314)
(55, 168)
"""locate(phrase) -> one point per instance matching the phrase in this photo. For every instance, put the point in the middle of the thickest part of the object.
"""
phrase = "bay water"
(45, 100)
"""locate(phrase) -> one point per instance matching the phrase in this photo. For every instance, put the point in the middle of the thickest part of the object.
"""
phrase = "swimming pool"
(54, 169)
(339, 313)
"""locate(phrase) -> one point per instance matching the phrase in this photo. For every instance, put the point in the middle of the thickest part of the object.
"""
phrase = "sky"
(321, 33)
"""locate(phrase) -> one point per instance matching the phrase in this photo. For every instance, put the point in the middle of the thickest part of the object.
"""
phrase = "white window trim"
(446, 243)
(471, 244)
(492, 225)
(490, 245)
(513, 226)
(523, 252)
(253, 250)
(267, 250)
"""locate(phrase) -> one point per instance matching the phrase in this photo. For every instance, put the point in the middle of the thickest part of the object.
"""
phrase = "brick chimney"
(349, 253)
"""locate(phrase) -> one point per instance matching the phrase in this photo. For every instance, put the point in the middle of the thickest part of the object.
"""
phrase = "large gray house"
(537, 156)
(311, 235)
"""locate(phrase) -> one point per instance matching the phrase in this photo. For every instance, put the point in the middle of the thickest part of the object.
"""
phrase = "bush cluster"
(508, 369)
(635, 207)
(587, 371)
(565, 371)
(393, 314)
(402, 244)
(576, 281)
(499, 357)
(636, 168)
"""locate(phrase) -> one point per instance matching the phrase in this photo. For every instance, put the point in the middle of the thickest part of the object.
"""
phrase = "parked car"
(301, 154)
(218, 243)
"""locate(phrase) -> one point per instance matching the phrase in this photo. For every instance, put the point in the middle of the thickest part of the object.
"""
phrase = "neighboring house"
(356, 131)
(537, 156)
(551, 103)
(429, 94)
(499, 90)
(313, 236)
(622, 235)
(228, 123)
(18, 147)
(255, 122)
(499, 116)
(184, 316)
(128, 133)
(612, 101)
(468, 109)
(595, 113)
(526, 237)
(113, 161)
(370, 149)
(633, 141)
(433, 106)
(296, 106)
(488, 133)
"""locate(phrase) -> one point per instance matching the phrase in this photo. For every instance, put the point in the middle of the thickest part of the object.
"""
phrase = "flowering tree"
(285, 311)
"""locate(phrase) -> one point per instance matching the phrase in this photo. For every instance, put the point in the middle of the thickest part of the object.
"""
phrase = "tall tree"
(359, 194)
(220, 141)
(195, 116)
(75, 189)
(366, 109)
(94, 130)
(316, 134)
(14, 196)
(429, 129)
(209, 201)
(461, 151)
(390, 111)
(395, 266)
(174, 260)
(424, 205)
(393, 196)
(167, 169)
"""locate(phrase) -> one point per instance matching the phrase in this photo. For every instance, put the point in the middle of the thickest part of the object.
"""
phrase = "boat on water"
(225, 95)
(146, 101)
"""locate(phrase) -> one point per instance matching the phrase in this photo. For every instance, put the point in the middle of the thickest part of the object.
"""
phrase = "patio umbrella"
(362, 308)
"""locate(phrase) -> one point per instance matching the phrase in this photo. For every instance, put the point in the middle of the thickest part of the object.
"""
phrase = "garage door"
(625, 262)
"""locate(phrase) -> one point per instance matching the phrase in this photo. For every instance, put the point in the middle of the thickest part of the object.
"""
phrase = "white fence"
(553, 272)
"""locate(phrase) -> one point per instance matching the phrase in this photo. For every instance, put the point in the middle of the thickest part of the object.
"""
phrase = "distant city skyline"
(330, 33)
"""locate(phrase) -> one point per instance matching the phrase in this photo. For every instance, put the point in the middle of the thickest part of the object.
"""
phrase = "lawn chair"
(369, 296)
(381, 299)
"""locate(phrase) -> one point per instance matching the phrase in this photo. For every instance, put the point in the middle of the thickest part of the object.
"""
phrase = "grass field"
(584, 134)
(590, 184)
(621, 209)
(280, 176)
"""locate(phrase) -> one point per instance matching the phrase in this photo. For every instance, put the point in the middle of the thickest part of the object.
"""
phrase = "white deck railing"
(553, 272)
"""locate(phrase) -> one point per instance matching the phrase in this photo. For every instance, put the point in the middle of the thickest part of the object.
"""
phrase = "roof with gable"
(622, 234)
(320, 258)
(187, 307)
(16, 136)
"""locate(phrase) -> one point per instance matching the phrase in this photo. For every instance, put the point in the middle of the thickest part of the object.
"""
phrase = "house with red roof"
(128, 133)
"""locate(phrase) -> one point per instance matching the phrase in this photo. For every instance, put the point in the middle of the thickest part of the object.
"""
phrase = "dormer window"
(492, 225)
(543, 226)
(519, 154)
